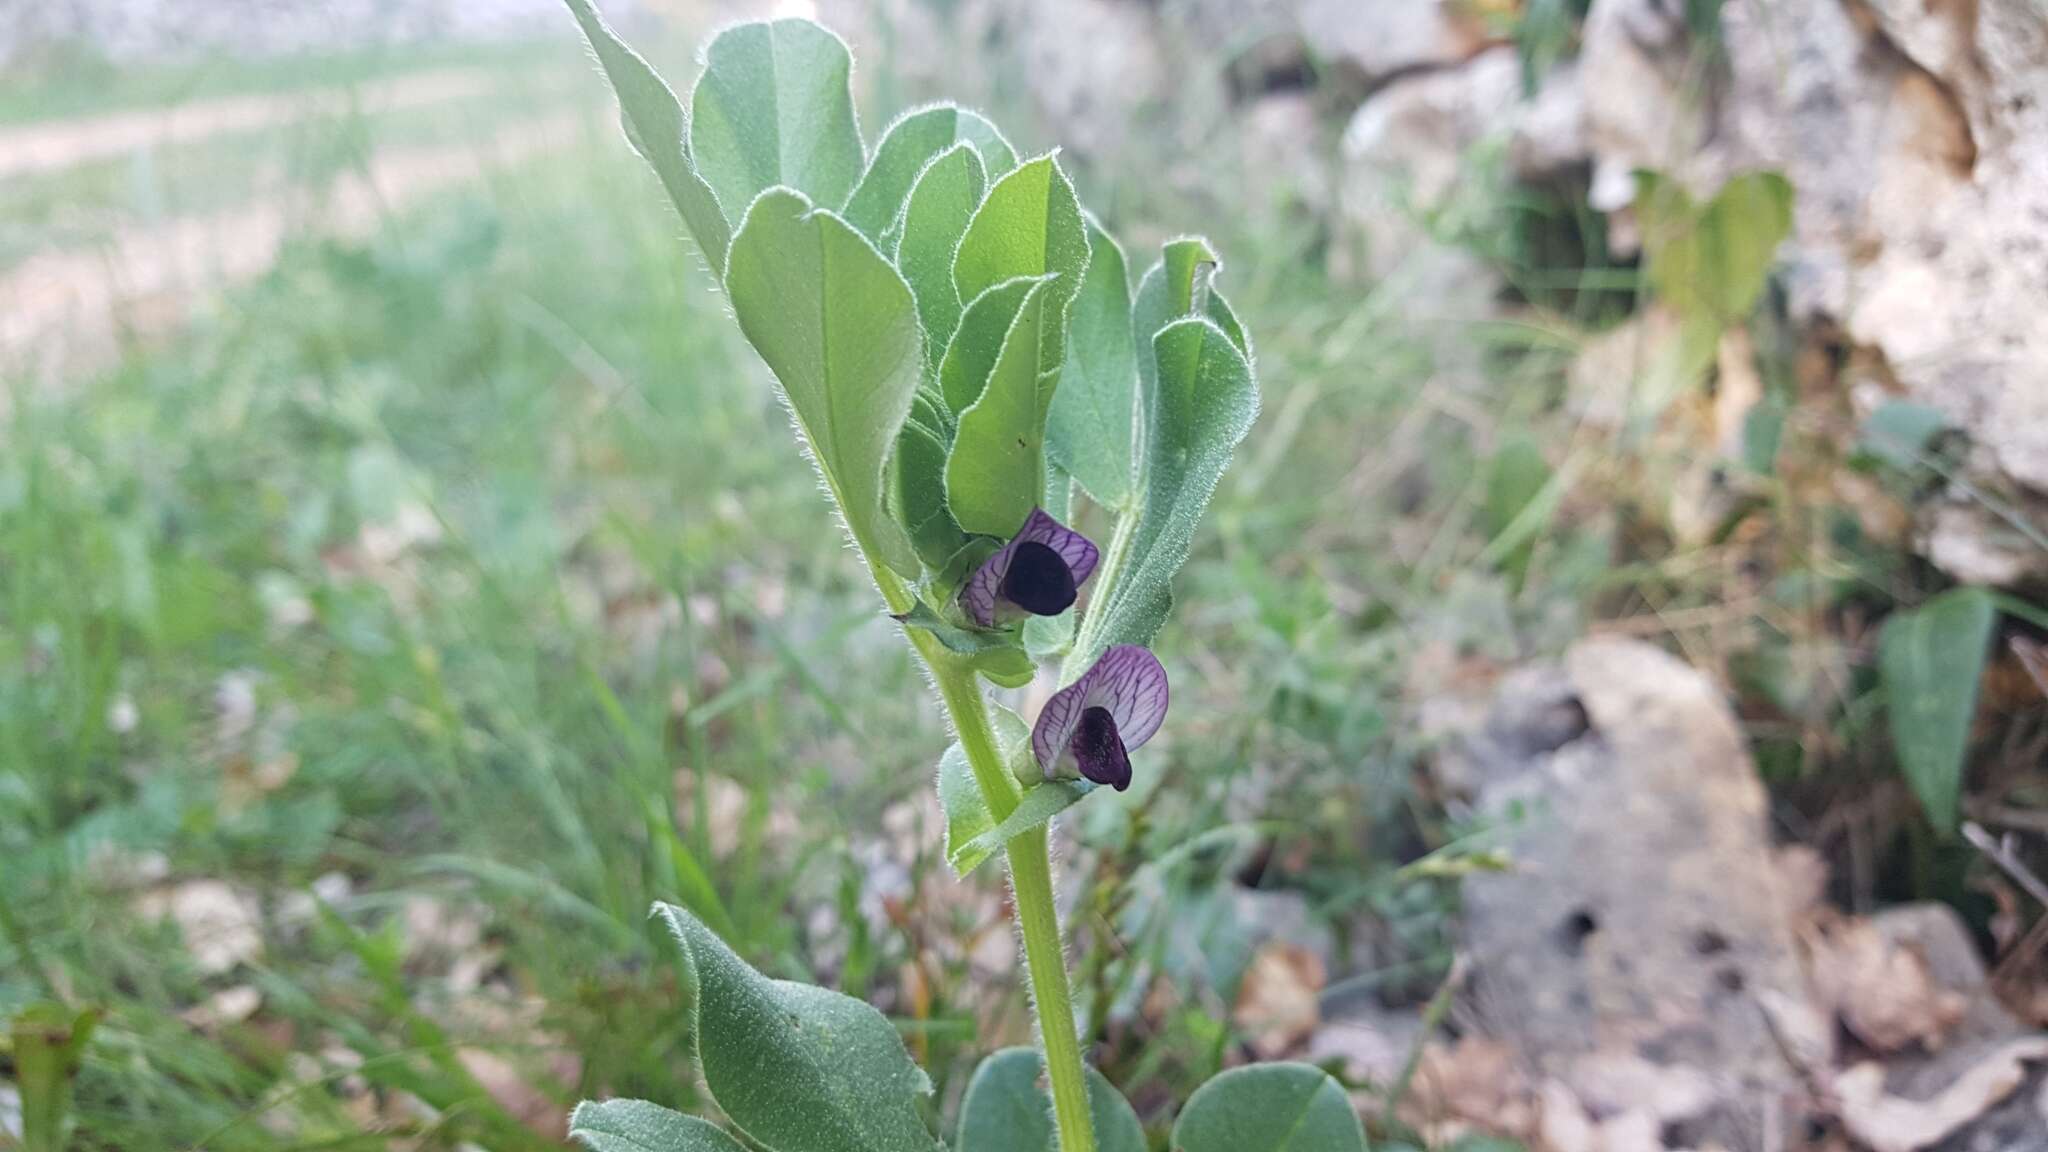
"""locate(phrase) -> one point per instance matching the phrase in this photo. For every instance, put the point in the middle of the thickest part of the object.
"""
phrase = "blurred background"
(1610, 704)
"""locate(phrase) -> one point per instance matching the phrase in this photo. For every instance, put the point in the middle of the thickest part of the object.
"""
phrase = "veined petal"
(985, 595)
(1128, 683)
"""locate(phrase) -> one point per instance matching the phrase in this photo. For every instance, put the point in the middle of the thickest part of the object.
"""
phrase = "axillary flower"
(1039, 573)
(1090, 727)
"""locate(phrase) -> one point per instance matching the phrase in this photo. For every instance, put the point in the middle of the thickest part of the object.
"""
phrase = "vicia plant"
(959, 347)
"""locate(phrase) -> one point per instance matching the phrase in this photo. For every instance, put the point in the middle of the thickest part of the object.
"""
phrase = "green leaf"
(1177, 285)
(773, 107)
(1202, 405)
(934, 218)
(920, 494)
(838, 327)
(1269, 1108)
(911, 142)
(637, 1126)
(1040, 803)
(1515, 477)
(48, 1042)
(1931, 659)
(995, 473)
(975, 345)
(967, 816)
(1005, 1110)
(795, 1067)
(1902, 433)
(1030, 225)
(1005, 667)
(653, 120)
(1712, 261)
(1091, 431)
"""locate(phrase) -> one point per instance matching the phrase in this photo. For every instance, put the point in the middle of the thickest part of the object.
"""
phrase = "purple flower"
(1039, 572)
(1090, 726)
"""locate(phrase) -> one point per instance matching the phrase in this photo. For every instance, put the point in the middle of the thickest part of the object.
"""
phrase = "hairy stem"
(1030, 859)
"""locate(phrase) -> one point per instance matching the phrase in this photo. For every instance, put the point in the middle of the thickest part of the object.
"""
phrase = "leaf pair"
(1709, 261)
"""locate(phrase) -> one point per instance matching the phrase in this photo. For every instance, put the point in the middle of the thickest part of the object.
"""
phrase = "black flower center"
(1100, 751)
(1039, 580)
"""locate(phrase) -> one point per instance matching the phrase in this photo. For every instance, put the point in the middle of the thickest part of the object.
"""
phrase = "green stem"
(1111, 567)
(1030, 858)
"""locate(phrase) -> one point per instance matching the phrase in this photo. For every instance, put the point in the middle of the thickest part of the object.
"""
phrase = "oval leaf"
(934, 218)
(995, 473)
(795, 1067)
(637, 1126)
(1006, 1109)
(1202, 405)
(653, 120)
(1931, 659)
(911, 142)
(1030, 225)
(1091, 431)
(773, 107)
(1269, 1108)
(838, 327)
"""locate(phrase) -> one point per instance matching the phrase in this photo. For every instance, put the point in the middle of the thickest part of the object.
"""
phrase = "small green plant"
(959, 347)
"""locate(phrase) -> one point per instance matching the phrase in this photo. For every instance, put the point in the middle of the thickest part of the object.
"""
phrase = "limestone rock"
(1639, 931)
(1403, 155)
(1376, 40)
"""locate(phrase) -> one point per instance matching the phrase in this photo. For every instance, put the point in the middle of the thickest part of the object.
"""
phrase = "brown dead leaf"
(1475, 1085)
(514, 1090)
(1277, 1008)
(1884, 994)
(1802, 876)
(1887, 1123)
(2034, 658)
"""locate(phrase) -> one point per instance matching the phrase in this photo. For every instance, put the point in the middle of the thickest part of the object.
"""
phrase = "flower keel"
(1039, 573)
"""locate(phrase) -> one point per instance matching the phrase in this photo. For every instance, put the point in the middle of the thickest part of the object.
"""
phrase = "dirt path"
(62, 312)
(54, 145)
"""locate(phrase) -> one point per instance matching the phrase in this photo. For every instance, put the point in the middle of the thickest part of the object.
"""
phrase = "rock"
(1915, 133)
(1403, 155)
(1365, 1042)
(1286, 151)
(1551, 135)
(1373, 41)
(1091, 66)
(1917, 139)
(1659, 959)
(1634, 59)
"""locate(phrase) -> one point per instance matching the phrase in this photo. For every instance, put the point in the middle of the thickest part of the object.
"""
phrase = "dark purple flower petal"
(1090, 727)
(1039, 572)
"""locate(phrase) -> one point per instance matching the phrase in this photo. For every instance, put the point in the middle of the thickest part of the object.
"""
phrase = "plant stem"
(1030, 858)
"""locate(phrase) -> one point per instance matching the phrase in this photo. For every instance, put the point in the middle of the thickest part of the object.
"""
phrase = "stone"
(1373, 41)
(1552, 135)
(1639, 934)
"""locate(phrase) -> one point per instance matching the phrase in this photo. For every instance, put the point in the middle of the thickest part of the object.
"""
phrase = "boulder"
(1639, 937)
(1915, 133)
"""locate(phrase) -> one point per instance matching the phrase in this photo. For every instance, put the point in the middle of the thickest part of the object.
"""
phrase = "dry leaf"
(1474, 1085)
(1277, 1008)
(1887, 1123)
(1884, 994)
(2034, 658)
